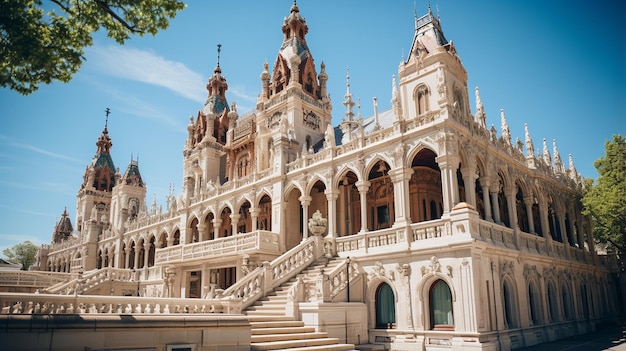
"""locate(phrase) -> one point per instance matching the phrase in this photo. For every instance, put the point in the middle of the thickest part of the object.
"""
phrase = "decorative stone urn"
(317, 224)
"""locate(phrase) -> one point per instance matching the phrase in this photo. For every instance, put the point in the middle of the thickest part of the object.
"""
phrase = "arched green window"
(385, 307)
(441, 316)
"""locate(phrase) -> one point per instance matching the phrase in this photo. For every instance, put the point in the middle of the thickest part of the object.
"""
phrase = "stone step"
(262, 331)
(334, 347)
(266, 313)
(270, 318)
(289, 344)
(258, 338)
(276, 324)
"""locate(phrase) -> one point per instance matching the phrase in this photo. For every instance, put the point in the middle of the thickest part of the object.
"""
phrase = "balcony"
(257, 241)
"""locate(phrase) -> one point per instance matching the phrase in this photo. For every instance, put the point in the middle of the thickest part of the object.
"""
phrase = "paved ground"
(608, 337)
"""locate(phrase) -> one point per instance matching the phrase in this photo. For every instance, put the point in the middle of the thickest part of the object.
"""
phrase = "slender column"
(305, 201)
(234, 220)
(136, 258)
(528, 202)
(331, 196)
(254, 213)
(217, 223)
(563, 230)
(484, 183)
(146, 253)
(509, 192)
(448, 165)
(469, 178)
(362, 186)
(543, 216)
(400, 178)
(496, 205)
(201, 229)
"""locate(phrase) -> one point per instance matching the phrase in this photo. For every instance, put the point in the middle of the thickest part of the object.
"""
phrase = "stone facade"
(453, 235)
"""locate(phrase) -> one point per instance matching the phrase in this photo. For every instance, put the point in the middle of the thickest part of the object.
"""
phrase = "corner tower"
(433, 77)
(94, 195)
(204, 155)
(294, 108)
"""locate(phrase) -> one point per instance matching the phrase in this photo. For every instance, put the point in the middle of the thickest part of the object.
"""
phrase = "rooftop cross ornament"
(107, 112)
(219, 49)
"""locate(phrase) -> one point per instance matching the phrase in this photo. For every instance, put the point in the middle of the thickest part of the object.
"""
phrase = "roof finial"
(219, 49)
(414, 15)
(107, 112)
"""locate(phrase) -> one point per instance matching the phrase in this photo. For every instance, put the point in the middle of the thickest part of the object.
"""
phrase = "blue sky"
(557, 65)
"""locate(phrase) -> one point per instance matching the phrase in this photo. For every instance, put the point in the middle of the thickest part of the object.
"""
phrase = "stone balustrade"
(272, 274)
(257, 240)
(23, 303)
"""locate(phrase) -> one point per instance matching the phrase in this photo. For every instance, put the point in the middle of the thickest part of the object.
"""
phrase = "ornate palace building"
(417, 228)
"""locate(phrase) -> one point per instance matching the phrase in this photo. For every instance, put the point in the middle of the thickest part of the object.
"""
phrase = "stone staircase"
(273, 330)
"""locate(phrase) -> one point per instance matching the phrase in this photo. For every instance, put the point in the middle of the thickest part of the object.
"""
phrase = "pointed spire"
(506, 135)
(395, 99)
(530, 149)
(481, 117)
(104, 141)
(573, 173)
(347, 102)
(558, 163)
(546, 154)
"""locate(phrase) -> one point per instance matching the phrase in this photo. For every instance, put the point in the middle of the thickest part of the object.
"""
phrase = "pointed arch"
(380, 195)
(425, 188)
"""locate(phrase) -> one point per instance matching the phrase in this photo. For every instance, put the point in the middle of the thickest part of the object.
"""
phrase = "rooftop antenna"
(107, 112)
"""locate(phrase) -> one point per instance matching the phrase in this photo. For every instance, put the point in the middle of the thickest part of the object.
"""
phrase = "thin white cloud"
(148, 67)
(36, 149)
(137, 107)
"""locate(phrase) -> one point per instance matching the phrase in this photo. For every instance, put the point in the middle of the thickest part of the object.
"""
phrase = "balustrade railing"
(272, 274)
(19, 303)
(32, 278)
(257, 240)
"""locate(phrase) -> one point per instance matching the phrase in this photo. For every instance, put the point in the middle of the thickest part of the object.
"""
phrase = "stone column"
(136, 261)
(400, 179)
(217, 222)
(509, 192)
(331, 196)
(201, 229)
(448, 165)
(305, 201)
(254, 213)
(146, 253)
(469, 178)
(528, 202)
(543, 216)
(484, 183)
(496, 204)
(362, 186)
(234, 220)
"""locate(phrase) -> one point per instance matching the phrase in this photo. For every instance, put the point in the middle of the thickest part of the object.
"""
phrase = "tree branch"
(115, 16)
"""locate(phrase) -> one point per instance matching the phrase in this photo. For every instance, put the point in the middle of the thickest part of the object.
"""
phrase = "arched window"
(534, 301)
(584, 301)
(385, 307)
(441, 317)
(567, 303)
(553, 303)
(509, 304)
(421, 99)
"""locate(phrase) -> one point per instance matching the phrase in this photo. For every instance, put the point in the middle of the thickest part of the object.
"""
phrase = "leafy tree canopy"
(605, 200)
(23, 254)
(38, 46)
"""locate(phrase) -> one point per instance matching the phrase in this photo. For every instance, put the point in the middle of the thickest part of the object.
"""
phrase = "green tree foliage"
(605, 200)
(40, 45)
(23, 254)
